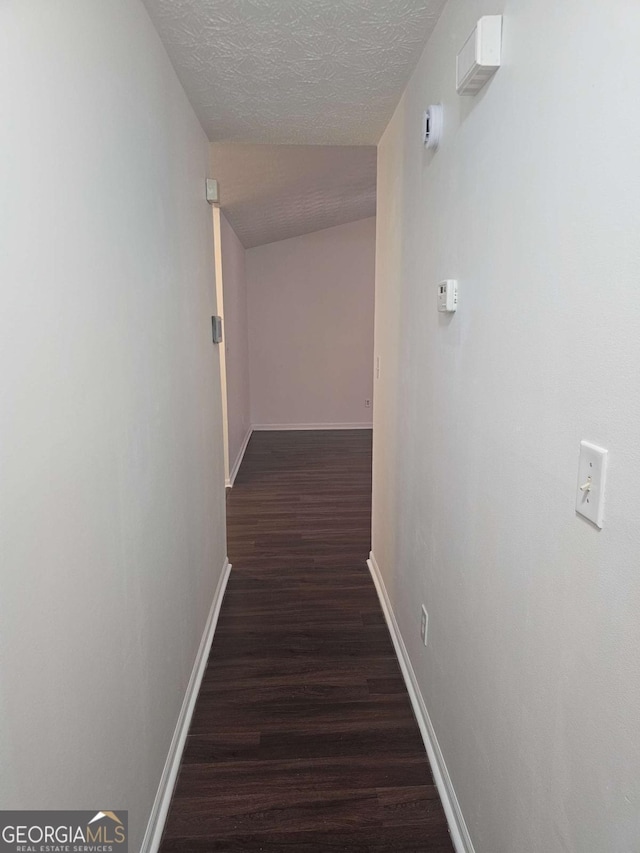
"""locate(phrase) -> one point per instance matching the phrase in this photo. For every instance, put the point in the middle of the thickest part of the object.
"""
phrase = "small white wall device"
(433, 122)
(212, 191)
(479, 58)
(216, 329)
(448, 296)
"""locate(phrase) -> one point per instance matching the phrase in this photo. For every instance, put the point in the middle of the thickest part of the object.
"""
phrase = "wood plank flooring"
(303, 739)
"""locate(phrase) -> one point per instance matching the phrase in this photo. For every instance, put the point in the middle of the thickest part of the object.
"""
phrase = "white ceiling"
(321, 73)
(310, 72)
(272, 192)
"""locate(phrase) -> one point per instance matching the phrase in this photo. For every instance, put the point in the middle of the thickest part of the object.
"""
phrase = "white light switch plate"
(592, 470)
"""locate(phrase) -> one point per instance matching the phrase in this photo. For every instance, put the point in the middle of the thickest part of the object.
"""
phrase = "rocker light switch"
(592, 470)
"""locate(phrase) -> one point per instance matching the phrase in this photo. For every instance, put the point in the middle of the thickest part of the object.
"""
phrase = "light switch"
(592, 470)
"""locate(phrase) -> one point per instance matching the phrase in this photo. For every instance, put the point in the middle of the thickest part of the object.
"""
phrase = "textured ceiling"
(272, 192)
(318, 72)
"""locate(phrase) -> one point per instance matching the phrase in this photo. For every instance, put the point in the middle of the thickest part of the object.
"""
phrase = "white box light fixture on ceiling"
(479, 58)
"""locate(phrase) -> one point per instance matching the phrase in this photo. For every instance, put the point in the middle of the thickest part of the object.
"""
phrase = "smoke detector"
(433, 122)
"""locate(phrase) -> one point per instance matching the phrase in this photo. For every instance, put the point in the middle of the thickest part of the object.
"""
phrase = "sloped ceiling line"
(273, 192)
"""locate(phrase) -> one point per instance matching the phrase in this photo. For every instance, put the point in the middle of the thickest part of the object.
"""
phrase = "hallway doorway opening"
(295, 264)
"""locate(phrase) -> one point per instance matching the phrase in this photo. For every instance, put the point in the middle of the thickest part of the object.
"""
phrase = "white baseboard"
(236, 465)
(457, 826)
(263, 427)
(160, 809)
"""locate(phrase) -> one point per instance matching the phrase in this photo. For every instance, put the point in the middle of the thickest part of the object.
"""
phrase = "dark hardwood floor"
(303, 739)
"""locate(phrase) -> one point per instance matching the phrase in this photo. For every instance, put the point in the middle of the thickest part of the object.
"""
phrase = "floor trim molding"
(263, 427)
(457, 826)
(160, 809)
(236, 465)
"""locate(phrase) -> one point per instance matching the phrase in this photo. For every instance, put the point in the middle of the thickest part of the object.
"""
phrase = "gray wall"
(111, 486)
(531, 674)
(310, 301)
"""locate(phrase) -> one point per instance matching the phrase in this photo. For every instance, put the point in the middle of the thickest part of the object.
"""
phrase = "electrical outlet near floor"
(367, 404)
(424, 624)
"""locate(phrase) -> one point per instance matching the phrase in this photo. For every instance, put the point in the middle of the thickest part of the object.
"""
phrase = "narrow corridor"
(303, 738)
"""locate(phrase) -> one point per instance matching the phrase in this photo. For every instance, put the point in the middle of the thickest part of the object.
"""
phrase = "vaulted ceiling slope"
(312, 72)
(273, 192)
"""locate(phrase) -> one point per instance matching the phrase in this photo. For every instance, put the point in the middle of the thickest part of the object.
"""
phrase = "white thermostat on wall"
(448, 295)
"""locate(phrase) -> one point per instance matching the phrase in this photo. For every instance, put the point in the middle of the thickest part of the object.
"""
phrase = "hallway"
(303, 738)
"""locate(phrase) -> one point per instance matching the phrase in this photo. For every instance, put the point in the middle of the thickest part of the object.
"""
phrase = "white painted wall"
(111, 471)
(310, 304)
(235, 338)
(531, 674)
